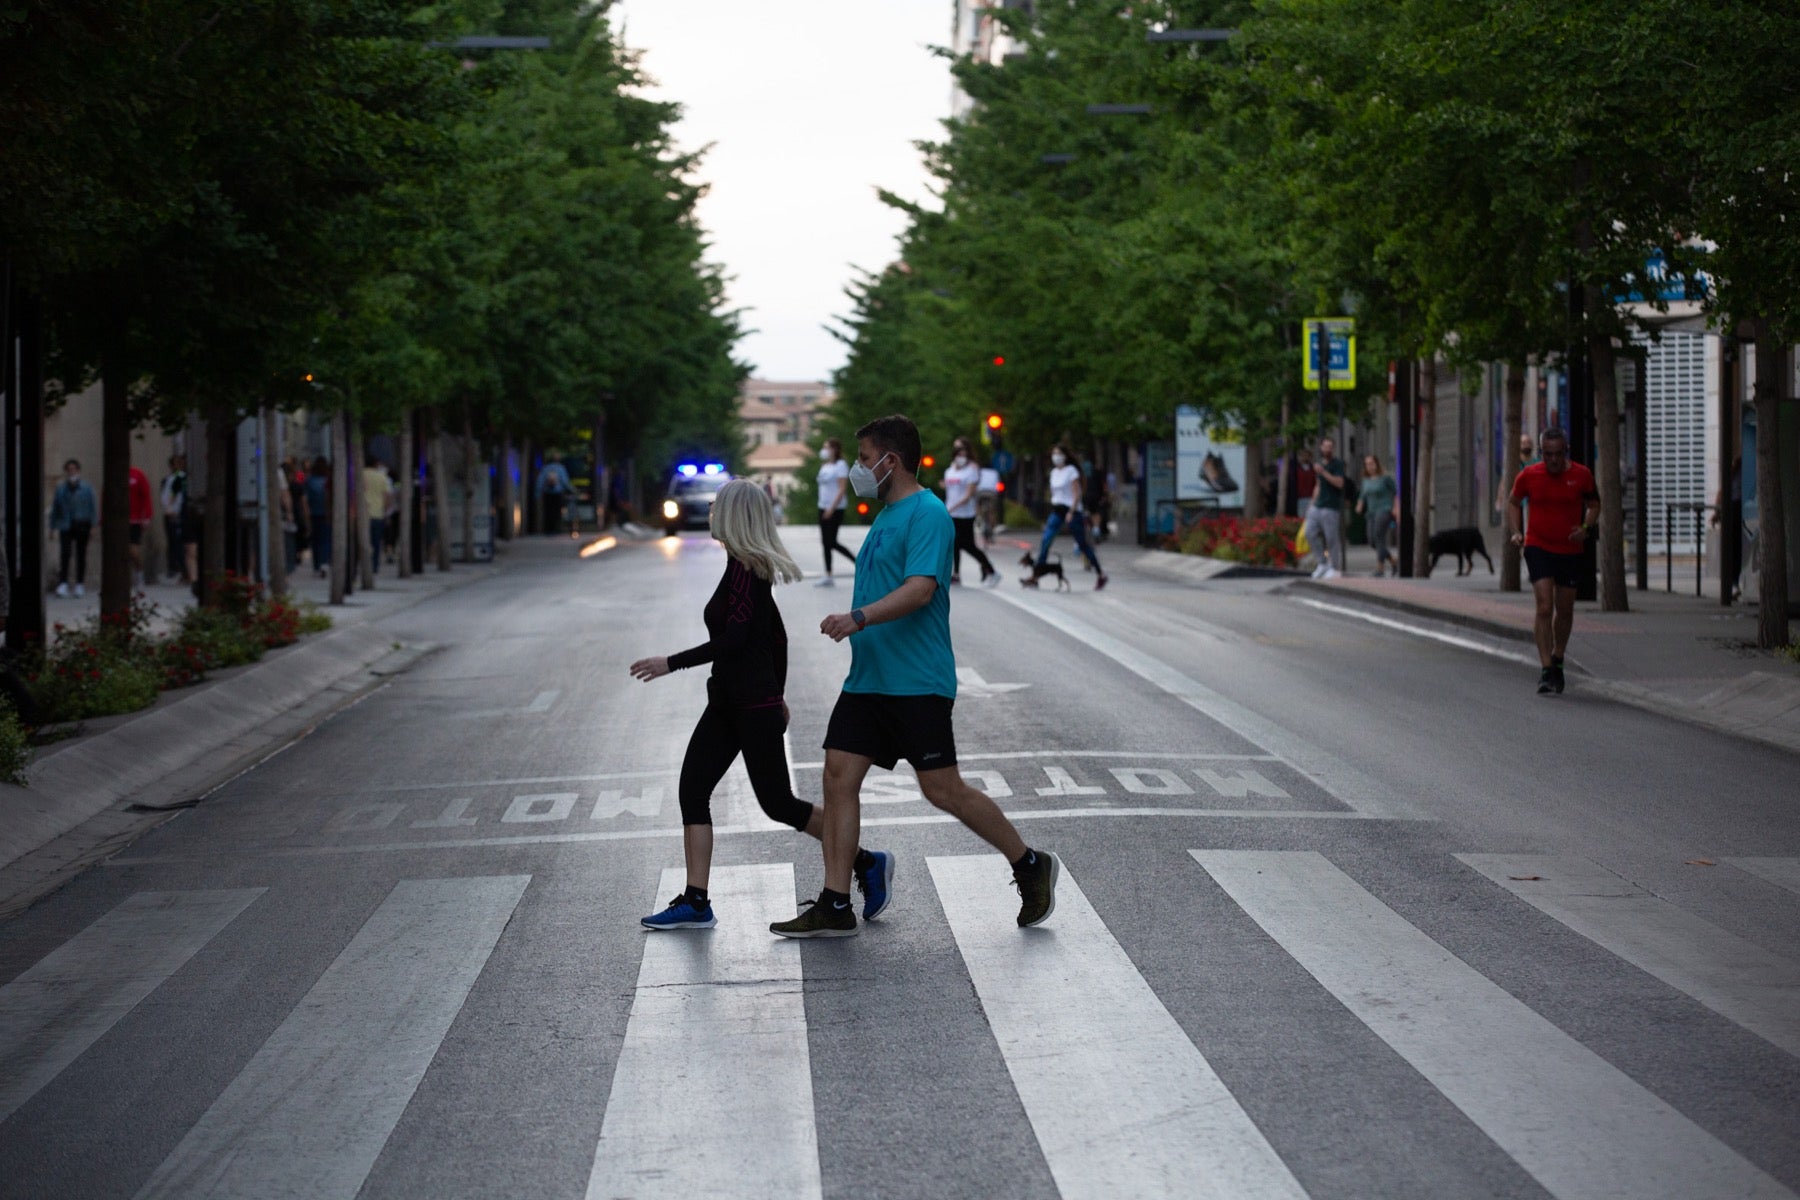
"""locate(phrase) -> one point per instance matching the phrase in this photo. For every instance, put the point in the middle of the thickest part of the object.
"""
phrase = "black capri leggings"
(829, 523)
(965, 542)
(724, 732)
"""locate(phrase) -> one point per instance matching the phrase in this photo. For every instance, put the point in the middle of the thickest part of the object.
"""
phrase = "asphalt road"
(1344, 914)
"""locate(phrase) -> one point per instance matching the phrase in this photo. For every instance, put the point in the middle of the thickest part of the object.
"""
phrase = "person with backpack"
(745, 712)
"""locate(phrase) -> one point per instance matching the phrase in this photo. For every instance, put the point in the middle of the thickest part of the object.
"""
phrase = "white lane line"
(718, 1028)
(1325, 770)
(1782, 872)
(542, 701)
(310, 1112)
(1737, 979)
(1449, 639)
(1127, 754)
(471, 784)
(1577, 1124)
(63, 1003)
(1123, 1104)
(674, 831)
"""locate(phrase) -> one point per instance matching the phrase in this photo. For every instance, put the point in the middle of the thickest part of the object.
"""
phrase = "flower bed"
(116, 664)
(1265, 542)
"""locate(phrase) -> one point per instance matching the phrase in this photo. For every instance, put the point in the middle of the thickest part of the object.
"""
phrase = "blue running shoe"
(681, 914)
(876, 882)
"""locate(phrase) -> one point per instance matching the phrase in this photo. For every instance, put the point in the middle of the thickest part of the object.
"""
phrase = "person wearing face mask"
(73, 512)
(834, 477)
(960, 483)
(1065, 509)
(898, 696)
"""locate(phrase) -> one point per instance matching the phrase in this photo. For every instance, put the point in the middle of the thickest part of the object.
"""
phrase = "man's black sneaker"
(818, 920)
(1547, 681)
(1037, 888)
(1556, 678)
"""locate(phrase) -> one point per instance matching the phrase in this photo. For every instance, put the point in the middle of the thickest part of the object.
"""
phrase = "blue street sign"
(1003, 461)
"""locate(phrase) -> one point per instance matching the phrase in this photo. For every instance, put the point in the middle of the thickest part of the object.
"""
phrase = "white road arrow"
(971, 686)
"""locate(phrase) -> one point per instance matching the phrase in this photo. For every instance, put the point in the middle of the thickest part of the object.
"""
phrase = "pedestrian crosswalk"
(1119, 1091)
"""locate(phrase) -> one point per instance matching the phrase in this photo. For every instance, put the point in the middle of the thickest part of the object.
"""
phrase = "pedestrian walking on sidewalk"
(961, 481)
(73, 511)
(1564, 517)
(745, 711)
(140, 512)
(174, 498)
(377, 491)
(897, 698)
(834, 482)
(1378, 500)
(318, 514)
(1325, 515)
(1065, 509)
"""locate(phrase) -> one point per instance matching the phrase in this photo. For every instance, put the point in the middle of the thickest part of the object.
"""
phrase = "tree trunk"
(440, 489)
(1284, 467)
(340, 506)
(116, 582)
(221, 442)
(1427, 400)
(1253, 464)
(365, 547)
(1610, 474)
(275, 492)
(468, 481)
(1512, 421)
(1771, 515)
(409, 469)
(509, 493)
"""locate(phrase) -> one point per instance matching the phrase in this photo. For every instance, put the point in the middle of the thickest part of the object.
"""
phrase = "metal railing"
(1699, 510)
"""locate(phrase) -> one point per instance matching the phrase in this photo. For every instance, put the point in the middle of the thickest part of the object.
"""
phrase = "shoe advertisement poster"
(1209, 463)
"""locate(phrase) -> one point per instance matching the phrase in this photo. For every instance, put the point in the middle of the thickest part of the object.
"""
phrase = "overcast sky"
(809, 106)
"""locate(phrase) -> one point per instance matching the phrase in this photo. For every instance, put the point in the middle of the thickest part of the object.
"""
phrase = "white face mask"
(1058, 459)
(962, 460)
(826, 455)
(863, 481)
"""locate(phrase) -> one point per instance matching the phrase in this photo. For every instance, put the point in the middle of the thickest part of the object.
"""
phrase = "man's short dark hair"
(895, 435)
(76, 463)
(1553, 434)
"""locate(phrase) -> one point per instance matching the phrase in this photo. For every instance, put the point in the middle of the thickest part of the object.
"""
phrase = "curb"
(1510, 633)
(1197, 568)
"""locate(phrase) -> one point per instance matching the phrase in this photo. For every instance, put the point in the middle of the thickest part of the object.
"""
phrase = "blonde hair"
(743, 519)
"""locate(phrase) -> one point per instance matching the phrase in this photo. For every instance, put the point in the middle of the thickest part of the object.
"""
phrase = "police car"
(692, 490)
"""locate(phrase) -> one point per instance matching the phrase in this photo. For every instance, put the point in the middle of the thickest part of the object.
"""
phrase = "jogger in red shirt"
(1565, 512)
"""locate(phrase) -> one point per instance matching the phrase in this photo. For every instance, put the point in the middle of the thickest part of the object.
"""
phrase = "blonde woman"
(745, 712)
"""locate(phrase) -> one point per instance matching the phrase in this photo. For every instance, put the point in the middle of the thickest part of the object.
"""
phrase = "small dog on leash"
(1465, 543)
(1052, 566)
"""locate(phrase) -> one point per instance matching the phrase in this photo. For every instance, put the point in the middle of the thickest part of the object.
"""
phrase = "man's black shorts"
(887, 729)
(1564, 568)
(137, 534)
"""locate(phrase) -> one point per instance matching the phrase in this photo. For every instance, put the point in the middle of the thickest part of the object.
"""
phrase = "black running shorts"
(886, 729)
(1565, 569)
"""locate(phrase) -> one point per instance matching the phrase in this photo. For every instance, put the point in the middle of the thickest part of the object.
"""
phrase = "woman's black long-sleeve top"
(746, 641)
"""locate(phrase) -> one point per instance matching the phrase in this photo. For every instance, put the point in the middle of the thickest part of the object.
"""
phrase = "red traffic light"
(928, 461)
(1000, 486)
(862, 510)
(999, 360)
(995, 421)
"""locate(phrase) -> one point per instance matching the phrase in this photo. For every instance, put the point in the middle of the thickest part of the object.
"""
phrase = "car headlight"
(671, 510)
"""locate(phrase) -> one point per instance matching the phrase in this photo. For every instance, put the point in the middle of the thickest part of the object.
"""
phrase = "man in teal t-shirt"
(897, 699)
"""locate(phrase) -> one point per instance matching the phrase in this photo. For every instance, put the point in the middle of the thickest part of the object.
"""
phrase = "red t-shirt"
(1558, 502)
(143, 507)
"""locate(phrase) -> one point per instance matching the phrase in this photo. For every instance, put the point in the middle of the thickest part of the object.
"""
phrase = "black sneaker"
(1037, 888)
(818, 920)
(1547, 681)
(1556, 678)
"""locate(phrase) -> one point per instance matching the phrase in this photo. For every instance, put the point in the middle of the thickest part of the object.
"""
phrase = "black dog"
(1465, 543)
(1052, 566)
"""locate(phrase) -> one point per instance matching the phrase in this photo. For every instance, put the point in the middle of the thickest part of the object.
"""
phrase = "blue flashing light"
(688, 470)
(715, 468)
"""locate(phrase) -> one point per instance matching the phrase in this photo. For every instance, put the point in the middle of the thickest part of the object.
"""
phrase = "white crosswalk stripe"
(718, 1017)
(1577, 1124)
(58, 1008)
(1122, 1102)
(1733, 977)
(310, 1112)
(1782, 872)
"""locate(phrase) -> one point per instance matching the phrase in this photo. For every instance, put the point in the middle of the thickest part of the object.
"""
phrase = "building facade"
(779, 420)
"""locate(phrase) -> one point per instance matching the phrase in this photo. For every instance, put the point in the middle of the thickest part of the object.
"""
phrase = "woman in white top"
(961, 479)
(834, 480)
(1065, 509)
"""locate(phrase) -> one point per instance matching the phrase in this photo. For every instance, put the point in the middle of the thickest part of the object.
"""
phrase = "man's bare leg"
(946, 788)
(842, 822)
(1544, 625)
(1565, 621)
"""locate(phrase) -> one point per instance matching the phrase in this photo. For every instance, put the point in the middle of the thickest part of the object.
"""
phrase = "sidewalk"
(123, 773)
(1681, 655)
